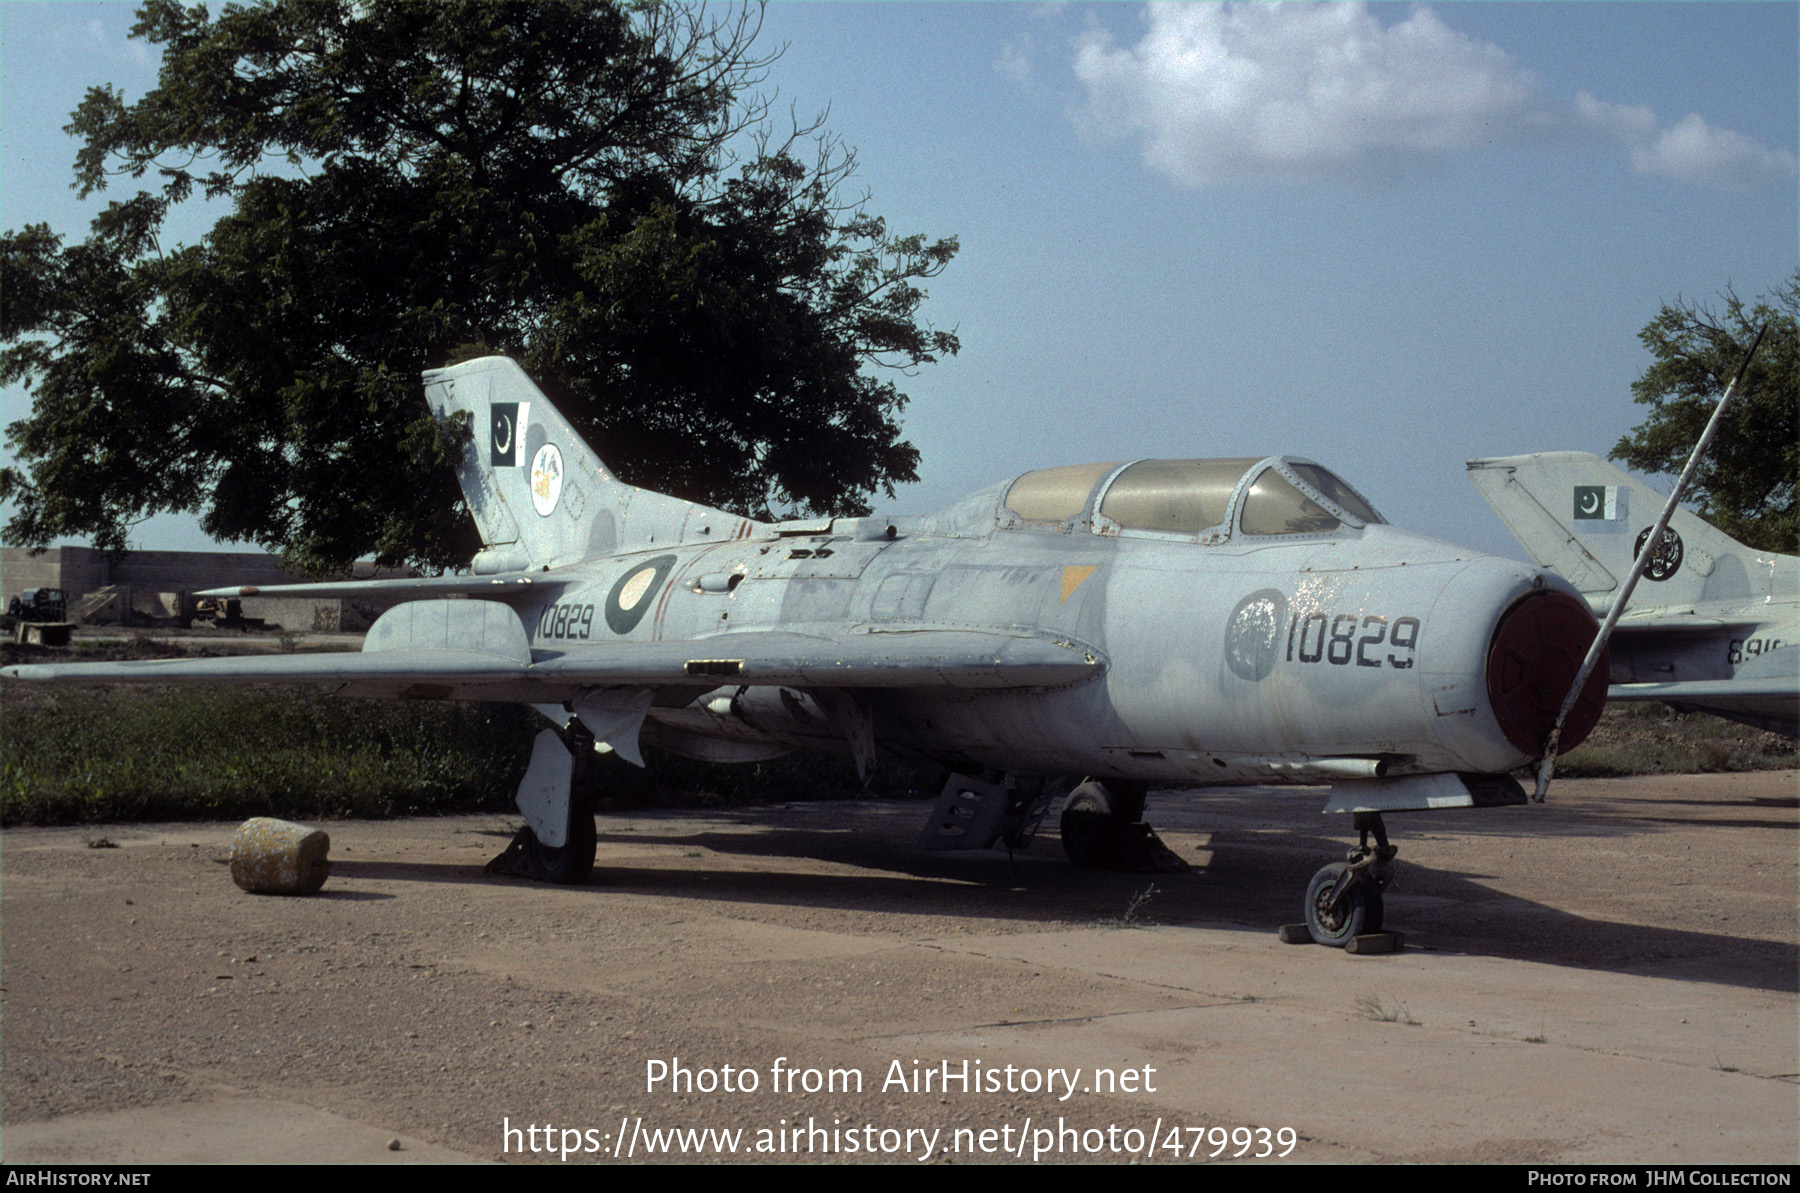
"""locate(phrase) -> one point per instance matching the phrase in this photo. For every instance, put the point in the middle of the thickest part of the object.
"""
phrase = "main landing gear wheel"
(1101, 824)
(1090, 827)
(573, 864)
(558, 785)
(1339, 907)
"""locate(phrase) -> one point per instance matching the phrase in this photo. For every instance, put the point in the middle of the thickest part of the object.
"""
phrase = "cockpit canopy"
(1273, 495)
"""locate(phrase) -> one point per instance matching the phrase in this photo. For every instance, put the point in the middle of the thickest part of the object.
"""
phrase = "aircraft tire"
(1091, 829)
(1360, 913)
(571, 865)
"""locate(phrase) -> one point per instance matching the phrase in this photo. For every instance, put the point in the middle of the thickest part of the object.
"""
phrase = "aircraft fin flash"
(1714, 624)
(1094, 629)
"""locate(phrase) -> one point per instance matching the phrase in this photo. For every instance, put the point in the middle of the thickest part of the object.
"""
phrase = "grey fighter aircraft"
(1716, 626)
(1170, 622)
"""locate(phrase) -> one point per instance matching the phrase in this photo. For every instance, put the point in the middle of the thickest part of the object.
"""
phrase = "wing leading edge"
(479, 650)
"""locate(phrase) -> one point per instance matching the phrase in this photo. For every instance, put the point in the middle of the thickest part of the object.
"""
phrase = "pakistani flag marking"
(1598, 503)
(506, 430)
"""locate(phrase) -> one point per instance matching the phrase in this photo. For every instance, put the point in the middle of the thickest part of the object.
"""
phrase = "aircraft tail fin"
(539, 494)
(1587, 519)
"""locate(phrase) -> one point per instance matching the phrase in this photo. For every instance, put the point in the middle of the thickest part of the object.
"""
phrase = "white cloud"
(1692, 150)
(1619, 121)
(1224, 93)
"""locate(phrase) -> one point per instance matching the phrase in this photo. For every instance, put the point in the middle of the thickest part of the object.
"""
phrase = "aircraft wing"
(1765, 702)
(1657, 621)
(334, 667)
(923, 658)
(1705, 692)
(485, 654)
(418, 586)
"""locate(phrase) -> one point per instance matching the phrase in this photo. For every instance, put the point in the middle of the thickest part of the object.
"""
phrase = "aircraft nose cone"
(1537, 651)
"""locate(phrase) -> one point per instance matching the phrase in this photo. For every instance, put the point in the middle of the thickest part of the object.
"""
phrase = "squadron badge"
(546, 479)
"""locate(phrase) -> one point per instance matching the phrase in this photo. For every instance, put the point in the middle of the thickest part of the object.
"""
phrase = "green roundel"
(635, 592)
(1252, 631)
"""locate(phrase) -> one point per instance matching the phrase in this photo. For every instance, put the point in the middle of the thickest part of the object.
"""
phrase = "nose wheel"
(1340, 906)
(1343, 900)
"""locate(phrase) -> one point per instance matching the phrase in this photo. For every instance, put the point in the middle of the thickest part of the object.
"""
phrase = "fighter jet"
(1103, 626)
(1716, 625)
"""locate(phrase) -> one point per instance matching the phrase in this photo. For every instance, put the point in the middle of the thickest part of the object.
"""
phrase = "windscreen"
(1336, 491)
(1273, 506)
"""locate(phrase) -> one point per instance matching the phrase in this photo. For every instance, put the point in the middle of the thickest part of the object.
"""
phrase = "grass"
(97, 755)
(1138, 902)
(90, 755)
(1370, 1006)
(1133, 906)
(1649, 739)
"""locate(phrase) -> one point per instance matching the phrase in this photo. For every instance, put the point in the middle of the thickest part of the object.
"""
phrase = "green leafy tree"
(591, 187)
(1746, 484)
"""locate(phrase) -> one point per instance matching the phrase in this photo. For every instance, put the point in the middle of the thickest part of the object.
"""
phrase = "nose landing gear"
(1343, 901)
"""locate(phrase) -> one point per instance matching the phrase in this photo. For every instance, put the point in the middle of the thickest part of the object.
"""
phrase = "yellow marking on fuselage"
(1073, 576)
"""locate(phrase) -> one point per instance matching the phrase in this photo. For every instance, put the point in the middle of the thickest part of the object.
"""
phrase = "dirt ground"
(1608, 978)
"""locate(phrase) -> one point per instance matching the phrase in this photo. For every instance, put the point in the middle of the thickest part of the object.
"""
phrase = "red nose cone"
(1537, 650)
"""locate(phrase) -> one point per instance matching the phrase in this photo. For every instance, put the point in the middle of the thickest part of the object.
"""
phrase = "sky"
(1390, 238)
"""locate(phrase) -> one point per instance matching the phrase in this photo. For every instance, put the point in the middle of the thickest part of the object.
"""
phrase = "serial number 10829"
(1334, 639)
(566, 621)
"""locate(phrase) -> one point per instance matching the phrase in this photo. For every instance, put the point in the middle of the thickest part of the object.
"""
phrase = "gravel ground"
(1609, 978)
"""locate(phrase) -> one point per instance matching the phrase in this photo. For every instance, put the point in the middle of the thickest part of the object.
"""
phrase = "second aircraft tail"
(1588, 520)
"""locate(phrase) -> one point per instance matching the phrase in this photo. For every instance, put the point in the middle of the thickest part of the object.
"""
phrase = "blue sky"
(1389, 237)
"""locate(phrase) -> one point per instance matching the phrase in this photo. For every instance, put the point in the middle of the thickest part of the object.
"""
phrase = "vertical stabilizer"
(539, 494)
(1587, 520)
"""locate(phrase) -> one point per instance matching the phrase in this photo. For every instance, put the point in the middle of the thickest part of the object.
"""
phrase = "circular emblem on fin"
(1251, 634)
(1665, 561)
(546, 479)
(634, 592)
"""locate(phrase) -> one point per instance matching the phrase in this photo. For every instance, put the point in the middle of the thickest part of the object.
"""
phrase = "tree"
(1746, 484)
(590, 186)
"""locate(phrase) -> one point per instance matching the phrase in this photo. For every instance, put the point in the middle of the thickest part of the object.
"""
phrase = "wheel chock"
(1368, 944)
(513, 859)
(277, 857)
(1376, 942)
